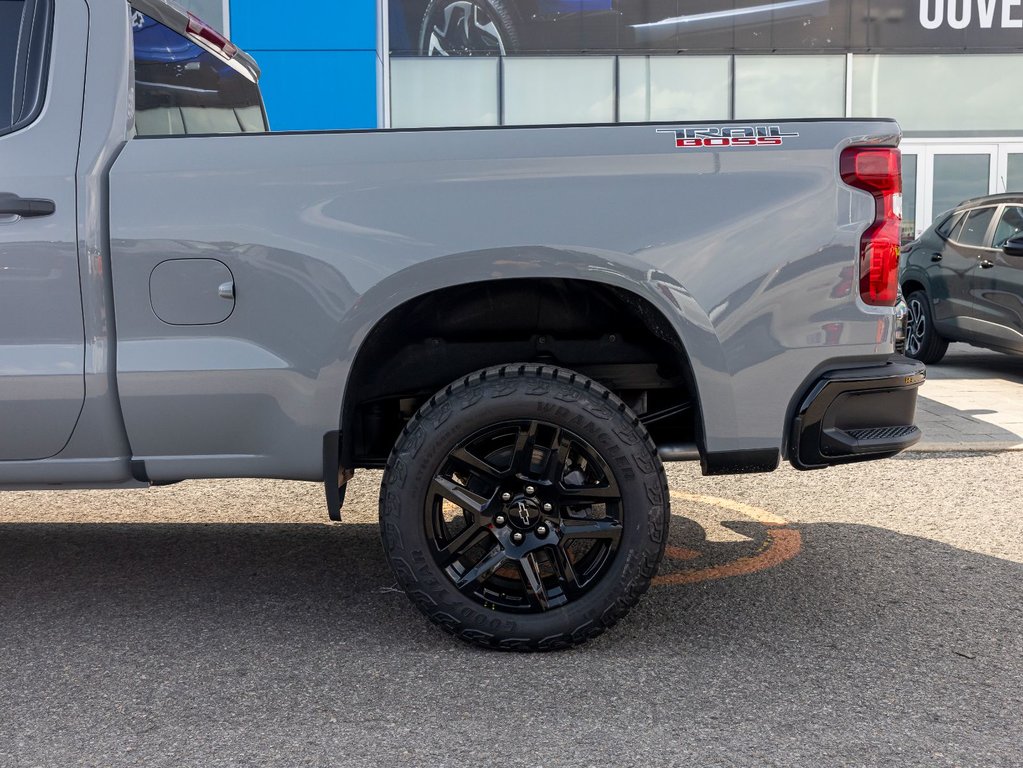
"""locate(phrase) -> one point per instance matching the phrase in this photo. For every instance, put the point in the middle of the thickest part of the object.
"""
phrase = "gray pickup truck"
(517, 325)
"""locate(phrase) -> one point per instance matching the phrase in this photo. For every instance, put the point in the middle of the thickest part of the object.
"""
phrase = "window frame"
(39, 68)
(988, 233)
(959, 217)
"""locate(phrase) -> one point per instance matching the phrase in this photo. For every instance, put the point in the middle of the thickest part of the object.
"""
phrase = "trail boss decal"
(729, 136)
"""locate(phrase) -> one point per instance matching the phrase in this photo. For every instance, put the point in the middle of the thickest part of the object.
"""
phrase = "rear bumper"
(857, 415)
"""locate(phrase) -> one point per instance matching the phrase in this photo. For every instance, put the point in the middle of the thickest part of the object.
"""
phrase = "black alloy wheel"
(922, 341)
(524, 516)
(508, 525)
(467, 28)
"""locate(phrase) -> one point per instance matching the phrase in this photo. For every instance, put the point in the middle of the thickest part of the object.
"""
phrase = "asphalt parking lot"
(863, 615)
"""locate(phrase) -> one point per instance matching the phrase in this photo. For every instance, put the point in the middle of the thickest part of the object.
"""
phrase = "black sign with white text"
(494, 27)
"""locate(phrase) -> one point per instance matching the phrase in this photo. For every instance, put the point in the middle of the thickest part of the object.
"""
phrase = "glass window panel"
(958, 178)
(181, 88)
(1009, 225)
(1014, 174)
(655, 88)
(976, 227)
(555, 90)
(957, 230)
(439, 92)
(908, 197)
(773, 87)
(945, 228)
(939, 93)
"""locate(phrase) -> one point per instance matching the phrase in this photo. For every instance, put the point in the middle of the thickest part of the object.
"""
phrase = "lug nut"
(517, 537)
(541, 530)
(499, 520)
(548, 507)
(530, 490)
(506, 496)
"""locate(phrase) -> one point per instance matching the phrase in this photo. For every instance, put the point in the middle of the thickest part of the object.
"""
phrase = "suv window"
(976, 227)
(181, 88)
(1009, 225)
(944, 229)
(24, 37)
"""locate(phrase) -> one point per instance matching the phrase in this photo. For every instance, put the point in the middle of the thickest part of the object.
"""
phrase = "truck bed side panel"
(750, 253)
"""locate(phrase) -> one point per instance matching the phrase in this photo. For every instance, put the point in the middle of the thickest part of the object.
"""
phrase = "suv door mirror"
(1013, 246)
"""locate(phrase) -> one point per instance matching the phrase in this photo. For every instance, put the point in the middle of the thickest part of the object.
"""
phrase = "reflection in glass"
(958, 178)
(554, 90)
(181, 88)
(655, 88)
(1009, 225)
(975, 229)
(1014, 174)
(945, 92)
(438, 92)
(779, 87)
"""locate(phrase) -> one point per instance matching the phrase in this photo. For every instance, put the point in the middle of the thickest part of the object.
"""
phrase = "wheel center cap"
(523, 514)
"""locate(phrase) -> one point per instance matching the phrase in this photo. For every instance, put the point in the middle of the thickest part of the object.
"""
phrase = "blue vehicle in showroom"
(500, 27)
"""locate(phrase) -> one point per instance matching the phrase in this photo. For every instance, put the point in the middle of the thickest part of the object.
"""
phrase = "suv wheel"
(923, 342)
(525, 508)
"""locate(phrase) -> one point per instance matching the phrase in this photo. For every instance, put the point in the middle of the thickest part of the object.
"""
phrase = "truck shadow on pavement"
(198, 635)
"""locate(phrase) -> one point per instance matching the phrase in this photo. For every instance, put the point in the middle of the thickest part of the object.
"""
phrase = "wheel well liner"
(608, 333)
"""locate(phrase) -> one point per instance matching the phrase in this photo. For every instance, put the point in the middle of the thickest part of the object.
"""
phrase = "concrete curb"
(993, 446)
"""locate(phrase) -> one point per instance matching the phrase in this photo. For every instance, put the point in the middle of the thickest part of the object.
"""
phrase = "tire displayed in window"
(922, 341)
(524, 508)
(468, 27)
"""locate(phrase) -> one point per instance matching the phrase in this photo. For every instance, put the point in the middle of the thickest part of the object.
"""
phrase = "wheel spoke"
(490, 563)
(608, 528)
(533, 581)
(459, 495)
(467, 462)
(466, 539)
(596, 494)
(556, 458)
(525, 442)
(566, 572)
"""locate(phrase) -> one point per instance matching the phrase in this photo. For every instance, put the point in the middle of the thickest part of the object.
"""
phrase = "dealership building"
(946, 69)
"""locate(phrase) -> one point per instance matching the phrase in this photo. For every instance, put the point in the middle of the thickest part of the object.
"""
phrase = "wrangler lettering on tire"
(524, 507)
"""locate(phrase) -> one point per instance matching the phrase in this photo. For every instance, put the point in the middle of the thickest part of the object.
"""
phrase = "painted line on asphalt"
(781, 542)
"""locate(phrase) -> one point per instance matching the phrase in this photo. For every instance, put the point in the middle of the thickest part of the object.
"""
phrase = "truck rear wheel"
(524, 508)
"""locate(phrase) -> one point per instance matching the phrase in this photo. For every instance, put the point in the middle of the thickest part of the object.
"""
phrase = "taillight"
(878, 171)
(200, 29)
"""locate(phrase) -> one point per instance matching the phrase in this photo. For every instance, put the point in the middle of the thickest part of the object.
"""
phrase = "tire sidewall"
(609, 431)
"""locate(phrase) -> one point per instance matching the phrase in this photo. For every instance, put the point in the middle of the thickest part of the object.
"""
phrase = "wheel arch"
(383, 314)
(912, 284)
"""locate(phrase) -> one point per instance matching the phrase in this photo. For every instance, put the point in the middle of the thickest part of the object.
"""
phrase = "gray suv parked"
(963, 279)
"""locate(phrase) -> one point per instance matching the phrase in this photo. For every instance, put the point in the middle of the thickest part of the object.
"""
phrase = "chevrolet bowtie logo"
(523, 512)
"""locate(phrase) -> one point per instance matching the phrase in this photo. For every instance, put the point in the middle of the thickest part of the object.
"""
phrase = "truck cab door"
(42, 75)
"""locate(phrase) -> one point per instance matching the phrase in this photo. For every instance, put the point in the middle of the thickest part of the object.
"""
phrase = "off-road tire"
(562, 399)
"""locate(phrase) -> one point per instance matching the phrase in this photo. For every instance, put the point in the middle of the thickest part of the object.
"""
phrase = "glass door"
(940, 176)
(1010, 168)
